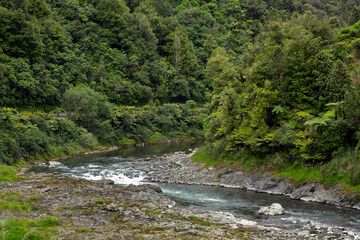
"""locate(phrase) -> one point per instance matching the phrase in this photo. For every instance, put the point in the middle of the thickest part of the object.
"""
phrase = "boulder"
(274, 209)
(304, 234)
(53, 164)
(144, 188)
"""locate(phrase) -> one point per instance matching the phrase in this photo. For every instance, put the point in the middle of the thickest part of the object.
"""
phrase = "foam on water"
(117, 176)
(180, 193)
(209, 199)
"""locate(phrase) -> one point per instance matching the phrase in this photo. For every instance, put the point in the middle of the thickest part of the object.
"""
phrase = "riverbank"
(53, 198)
(38, 136)
(55, 206)
(103, 149)
(180, 169)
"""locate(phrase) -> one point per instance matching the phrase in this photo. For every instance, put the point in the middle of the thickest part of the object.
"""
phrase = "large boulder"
(274, 209)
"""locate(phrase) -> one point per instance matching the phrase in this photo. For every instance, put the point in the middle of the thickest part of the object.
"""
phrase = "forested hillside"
(279, 78)
(137, 52)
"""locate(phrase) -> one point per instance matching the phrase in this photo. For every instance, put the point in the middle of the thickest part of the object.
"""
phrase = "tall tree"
(220, 71)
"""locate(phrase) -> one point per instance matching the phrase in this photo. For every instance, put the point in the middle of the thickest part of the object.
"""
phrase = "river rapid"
(133, 166)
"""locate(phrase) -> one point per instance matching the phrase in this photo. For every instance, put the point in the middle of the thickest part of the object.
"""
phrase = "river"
(131, 166)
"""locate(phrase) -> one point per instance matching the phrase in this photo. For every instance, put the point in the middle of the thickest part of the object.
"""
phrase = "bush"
(87, 140)
(190, 104)
(285, 135)
(355, 177)
(86, 107)
(332, 139)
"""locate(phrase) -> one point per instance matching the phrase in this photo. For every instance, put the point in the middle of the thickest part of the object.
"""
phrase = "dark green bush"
(87, 140)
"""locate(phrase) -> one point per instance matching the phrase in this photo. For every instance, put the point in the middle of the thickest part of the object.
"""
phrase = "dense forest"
(276, 79)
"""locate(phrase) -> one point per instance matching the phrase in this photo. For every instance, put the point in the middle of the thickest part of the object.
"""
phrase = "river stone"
(53, 164)
(304, 234)
(274, 209)
(144, 188)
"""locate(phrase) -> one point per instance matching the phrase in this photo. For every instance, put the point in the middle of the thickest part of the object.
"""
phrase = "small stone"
(44, 190)
(233, 226)
(127, 213)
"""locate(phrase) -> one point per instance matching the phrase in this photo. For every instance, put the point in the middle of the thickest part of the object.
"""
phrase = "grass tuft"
(7, 174)
(19, 229)
(204, 156)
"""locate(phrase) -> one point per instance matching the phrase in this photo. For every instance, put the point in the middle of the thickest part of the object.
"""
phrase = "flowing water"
(132, 166)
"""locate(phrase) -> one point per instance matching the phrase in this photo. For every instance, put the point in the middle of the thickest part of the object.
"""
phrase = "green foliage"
(31, 137)
(190, 104)
(285, 135)
(339, 82)
(220, 70)
(302, 175)
(87, 140)
(7, 174)
(200, 221)
(48, 221)
(14, 229)
(332, 139)
(20, 35)
(355, 177)
(86, 107)
(296, 97)
(278, 109)
(203, 156)
(351, 107)
(13, 203)
(277, 77)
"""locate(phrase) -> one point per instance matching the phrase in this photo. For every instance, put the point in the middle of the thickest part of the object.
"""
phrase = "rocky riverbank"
(102, 210)
(178, 168)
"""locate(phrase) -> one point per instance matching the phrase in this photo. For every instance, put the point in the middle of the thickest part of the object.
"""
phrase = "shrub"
(87, 140)
(191, 104)
(355, 177)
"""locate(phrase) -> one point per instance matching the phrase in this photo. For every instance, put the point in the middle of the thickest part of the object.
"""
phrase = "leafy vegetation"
(46, 135)
(291, 108)
(279, 78)
(7, 174)
(12, 204)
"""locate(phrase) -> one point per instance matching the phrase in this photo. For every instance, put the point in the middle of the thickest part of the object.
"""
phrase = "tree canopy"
(276, 76)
